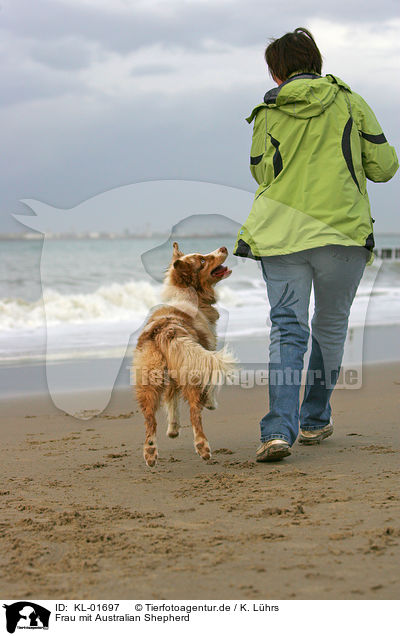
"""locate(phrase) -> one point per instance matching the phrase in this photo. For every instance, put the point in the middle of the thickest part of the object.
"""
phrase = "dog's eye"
(202, 261)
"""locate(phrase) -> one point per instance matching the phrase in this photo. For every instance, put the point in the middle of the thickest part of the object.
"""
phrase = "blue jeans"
(335, 272)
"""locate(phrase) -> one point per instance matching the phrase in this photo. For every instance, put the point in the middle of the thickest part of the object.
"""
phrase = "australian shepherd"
(175, 354)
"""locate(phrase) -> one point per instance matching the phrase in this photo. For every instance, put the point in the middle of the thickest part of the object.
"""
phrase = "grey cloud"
(186, 25)
(152, 69)
(25, 86)
(68, 54)
(122, 33)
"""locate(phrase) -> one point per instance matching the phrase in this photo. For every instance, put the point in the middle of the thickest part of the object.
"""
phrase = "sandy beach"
(82, 517)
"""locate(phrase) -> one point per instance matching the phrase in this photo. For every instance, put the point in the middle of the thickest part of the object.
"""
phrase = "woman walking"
(314, 144)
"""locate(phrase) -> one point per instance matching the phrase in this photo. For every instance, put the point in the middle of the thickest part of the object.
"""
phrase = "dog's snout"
(223, 249)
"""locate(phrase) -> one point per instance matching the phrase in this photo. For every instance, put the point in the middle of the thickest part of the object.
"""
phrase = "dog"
(176, 352)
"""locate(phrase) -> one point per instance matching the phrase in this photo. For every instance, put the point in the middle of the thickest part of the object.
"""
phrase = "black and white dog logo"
(26, 615)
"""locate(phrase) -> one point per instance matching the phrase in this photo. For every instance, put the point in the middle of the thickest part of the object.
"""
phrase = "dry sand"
(82, 517)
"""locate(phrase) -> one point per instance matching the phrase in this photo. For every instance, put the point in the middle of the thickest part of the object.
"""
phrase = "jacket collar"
(271, 95)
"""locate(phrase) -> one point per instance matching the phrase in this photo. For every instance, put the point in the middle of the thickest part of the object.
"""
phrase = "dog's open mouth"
(221, 271)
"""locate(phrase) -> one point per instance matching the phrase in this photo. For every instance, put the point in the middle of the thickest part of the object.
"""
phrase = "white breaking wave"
(110, 303)
(131, 301)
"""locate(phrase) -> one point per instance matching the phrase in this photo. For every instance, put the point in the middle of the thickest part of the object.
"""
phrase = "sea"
(88, 298)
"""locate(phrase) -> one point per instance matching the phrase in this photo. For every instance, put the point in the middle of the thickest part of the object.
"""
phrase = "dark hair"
(292, 52)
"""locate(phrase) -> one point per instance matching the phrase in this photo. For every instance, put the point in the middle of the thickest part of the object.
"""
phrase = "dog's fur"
(175, 354)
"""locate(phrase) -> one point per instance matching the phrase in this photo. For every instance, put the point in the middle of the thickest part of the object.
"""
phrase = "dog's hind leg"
(149, 398)
(209, 397)
(171, 404)
(193, 396)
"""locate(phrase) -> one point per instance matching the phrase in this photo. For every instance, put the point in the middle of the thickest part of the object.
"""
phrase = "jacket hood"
(303, 95)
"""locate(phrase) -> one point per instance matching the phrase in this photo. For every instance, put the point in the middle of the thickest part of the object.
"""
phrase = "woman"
(314, 143)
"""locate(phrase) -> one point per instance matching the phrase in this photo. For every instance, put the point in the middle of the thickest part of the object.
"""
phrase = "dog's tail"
(190, 363)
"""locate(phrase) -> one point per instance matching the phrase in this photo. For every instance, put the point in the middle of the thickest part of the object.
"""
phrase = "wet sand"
(82, 517)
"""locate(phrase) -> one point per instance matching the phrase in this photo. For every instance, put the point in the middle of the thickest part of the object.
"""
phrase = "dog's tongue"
(219, 271)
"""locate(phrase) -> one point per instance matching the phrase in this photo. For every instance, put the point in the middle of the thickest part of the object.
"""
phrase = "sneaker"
(317, 435)
(272, 451)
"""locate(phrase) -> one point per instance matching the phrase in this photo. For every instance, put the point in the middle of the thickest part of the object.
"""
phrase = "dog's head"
(200, 271)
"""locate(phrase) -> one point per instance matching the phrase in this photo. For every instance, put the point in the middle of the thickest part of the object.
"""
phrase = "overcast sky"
(100, 93)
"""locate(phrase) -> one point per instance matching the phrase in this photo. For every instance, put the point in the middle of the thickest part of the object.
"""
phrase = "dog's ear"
(183, 272)
(181, 266)
(176, 251)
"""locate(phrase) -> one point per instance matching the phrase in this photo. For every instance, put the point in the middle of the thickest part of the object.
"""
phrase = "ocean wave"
(118, 302)
(109, 303)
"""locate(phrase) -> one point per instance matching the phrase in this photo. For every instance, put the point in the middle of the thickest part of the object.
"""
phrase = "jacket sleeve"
(258, 146)
(379, 159)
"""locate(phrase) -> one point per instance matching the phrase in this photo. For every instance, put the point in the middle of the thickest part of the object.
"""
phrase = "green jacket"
(314, 143)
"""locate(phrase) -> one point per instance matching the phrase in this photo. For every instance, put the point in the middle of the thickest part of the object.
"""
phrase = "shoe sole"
(316, 440)
(274, 454)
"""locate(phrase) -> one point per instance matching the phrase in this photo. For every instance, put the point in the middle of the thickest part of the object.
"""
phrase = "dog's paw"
(150, 455)
(211, 407)
(173, 430)
(203, 449)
